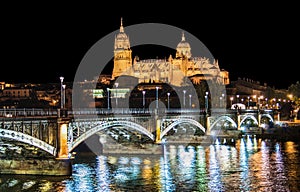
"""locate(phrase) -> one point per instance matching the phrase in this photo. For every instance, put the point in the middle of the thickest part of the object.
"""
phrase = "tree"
(201, 90)
(294, 90)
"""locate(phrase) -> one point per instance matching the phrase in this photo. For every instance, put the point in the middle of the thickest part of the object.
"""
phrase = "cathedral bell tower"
(122, 53)
(183, 54)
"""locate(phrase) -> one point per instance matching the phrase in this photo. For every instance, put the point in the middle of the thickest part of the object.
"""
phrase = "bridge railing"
(24, 112)
(104, 111)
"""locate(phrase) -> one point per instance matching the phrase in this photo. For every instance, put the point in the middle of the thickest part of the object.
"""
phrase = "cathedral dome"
(183, 44)
(183, 48)
(121, 36)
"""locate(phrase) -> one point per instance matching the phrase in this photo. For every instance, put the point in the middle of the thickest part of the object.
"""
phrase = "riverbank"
(290, 132)
(53, 167)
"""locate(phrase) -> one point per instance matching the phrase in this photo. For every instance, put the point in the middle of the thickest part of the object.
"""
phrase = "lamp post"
(64, 96)
(259, 99)
(61, 91)
(156, 97)
(231, 99)
(237, 98)
(184, 91)
(116, 84)
(168, 94)
(254, 98)
(144, 92)
(206, 102)
(248, 102)
(190, 101)
(221, 101)
(107, 98)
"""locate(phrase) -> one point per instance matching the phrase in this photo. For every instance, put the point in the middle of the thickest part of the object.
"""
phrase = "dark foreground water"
(250, 165)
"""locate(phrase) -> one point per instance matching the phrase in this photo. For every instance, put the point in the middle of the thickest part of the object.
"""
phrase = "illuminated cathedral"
(172, 70)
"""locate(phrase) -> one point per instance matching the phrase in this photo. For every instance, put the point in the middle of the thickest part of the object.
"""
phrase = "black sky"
(252, 41)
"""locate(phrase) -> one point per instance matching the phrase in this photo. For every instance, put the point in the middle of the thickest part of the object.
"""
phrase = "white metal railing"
(100, 111)
(96, 111)
(27, 112)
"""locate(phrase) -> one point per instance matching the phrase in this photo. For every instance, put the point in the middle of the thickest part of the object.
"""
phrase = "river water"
(251, 164)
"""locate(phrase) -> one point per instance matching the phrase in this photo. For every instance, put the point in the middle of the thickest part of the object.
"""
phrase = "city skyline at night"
(140, 96)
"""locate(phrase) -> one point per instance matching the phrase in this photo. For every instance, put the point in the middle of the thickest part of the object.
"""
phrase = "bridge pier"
(238, 122)
(157, 137)
(62, 138)
(259, 120)
(208, 126)
(62, 153)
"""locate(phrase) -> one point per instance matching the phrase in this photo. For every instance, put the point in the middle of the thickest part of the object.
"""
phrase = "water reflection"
(103, 180)
(251, 165)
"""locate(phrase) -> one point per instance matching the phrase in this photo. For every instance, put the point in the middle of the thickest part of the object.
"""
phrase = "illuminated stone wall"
(171, 70)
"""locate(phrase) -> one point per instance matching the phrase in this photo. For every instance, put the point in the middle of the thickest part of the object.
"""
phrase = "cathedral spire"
(121, 27)
(183, 37)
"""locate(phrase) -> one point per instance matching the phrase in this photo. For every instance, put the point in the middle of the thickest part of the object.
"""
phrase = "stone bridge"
(60, 132)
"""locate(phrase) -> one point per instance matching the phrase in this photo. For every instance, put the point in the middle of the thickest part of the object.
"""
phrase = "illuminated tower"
(183, 48)
(122, 53)
(183, 53)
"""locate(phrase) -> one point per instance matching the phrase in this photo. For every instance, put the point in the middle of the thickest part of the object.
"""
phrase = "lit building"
(171, 70)
(14, 92)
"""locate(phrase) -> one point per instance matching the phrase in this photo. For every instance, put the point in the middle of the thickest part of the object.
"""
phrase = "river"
(251, 164)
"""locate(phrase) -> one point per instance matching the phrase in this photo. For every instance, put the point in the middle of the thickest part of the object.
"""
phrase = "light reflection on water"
(251, 165)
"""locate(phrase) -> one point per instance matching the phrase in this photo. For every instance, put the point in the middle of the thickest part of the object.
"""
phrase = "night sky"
(254, 41)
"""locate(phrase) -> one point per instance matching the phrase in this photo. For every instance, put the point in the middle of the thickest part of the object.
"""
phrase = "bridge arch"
(92, 131)
(179, 121)
(24, 138)
(268, 116)
(251, 117)
(221, 118)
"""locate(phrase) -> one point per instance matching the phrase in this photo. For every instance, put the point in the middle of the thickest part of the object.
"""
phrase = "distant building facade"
(171, 70)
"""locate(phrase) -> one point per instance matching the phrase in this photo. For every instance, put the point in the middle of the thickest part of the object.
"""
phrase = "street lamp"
(61, 91)
(107, 97)
(116, 84)
(184, 91)
(168, 94)
(221, 101)
(206, 103)
(254, 98)
(231, 99)
(237, 98)
(64, 95)
(190, 101)
(248, 102)
(156, 97)
(260, 98)
(144, 92)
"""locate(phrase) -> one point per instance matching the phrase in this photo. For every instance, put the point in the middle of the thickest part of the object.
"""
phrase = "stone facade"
(171, 70)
